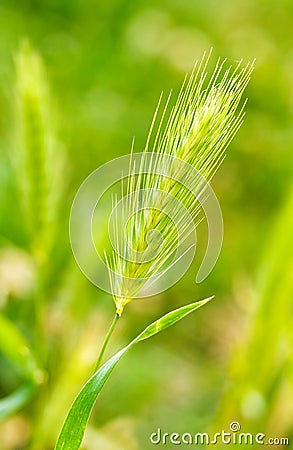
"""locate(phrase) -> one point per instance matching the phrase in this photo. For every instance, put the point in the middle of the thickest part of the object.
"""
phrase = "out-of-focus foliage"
(101, 67)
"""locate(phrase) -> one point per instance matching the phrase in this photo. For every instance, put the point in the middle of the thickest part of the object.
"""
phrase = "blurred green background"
(79, 79)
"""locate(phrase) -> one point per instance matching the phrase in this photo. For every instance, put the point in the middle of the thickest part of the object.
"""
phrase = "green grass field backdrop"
(95, 71)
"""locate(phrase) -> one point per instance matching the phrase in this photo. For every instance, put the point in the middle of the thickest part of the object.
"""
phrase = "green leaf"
(169, 319)
(14, 346)
(74, 426)
(17, 399)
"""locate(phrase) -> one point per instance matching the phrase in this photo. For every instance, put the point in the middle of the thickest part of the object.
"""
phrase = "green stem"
(107, 338)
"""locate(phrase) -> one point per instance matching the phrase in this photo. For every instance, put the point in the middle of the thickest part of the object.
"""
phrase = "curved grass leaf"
(16, 400)
(15, 347)
(74, 426)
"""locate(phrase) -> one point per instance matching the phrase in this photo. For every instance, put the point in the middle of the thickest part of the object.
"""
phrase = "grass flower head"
(156, 211)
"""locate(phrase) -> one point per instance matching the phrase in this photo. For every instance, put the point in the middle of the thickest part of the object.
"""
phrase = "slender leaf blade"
(169, 319)
(14, 345)
(74, 426)
(17, 399)
(75, 423)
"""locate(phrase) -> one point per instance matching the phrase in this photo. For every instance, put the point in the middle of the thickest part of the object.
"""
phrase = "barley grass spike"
(197, 129)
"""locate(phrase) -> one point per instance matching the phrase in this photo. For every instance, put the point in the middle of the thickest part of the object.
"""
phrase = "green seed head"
(197, 130)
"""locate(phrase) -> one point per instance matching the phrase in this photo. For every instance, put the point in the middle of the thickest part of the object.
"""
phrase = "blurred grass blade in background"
(15, 401)
(255, 393)
(15, 347)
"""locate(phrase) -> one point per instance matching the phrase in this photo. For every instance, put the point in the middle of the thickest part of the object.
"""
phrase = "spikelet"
(199, 128)
(39, 160)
